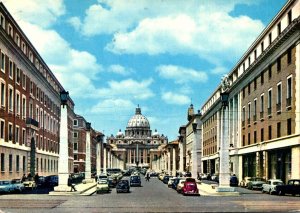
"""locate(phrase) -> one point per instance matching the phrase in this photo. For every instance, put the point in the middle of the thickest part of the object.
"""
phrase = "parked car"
(171, 180)
(29, 183)
(256, 183)
(214, 177)
(270, 186)
(51, 180)
(175, 182)
(5, 186)
(123, 186)
(135, 180)
(102, 186)
(234, 181)
(292, 187)
(190, 187)
(180, 185)
(245, 181)
(17, 184)
(166, 179)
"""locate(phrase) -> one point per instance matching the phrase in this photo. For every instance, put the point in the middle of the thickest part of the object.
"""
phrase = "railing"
(261, 115)
(31, 123)
(269, 111)
(254, 117)
(278, 107)
(289, 102)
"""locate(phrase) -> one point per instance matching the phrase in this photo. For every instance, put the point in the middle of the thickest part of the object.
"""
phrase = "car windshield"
(135, 178)
(103, 181)
(276, 183)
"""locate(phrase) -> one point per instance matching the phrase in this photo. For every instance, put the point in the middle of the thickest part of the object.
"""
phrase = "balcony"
(243, 123)
(254, 118)
(269, 112)
(261, 115)
(248, 121)
(289, 103)
(32, 124)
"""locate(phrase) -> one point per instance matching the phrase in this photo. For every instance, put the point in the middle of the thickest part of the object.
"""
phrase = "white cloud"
(128, 88)
(118, 69)
(75, 22)
(175, 98)
(43, 13)
(113, 106)
(181, 75)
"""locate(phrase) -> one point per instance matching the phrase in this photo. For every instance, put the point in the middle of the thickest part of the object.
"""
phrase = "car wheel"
(270, 192)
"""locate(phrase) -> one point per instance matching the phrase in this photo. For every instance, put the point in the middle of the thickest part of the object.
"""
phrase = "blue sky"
(162, 54)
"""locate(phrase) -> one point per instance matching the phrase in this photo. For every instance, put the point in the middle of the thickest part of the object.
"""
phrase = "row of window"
(270, 133)
(269, 102)
(33, 59)
(42, 165)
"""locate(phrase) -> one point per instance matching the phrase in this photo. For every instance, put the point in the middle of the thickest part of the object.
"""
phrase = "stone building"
(136, 147)
(261, 123)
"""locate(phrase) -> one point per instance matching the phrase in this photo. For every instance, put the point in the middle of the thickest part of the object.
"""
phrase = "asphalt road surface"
(153, 196)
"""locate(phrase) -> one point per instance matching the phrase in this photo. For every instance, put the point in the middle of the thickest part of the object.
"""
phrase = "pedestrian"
(36, 179)
(148, 176)
(23, 178)
(71, 184)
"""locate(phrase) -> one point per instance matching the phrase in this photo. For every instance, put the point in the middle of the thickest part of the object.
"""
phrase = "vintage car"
(5, 186)
(245, 181)
(123, 186)
(17, 184)
(190, 187)
(135, 180)
(29, 183)
(102, 186)
(270, 186)
(180, 185)
(292, 187)
(256, 183)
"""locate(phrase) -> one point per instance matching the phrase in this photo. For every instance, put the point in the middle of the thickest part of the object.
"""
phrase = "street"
(153, 196)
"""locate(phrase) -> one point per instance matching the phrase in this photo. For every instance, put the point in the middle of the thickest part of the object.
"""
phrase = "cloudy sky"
(112, 55)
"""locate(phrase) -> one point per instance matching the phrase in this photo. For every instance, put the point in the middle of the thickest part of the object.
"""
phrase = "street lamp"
(64, 95)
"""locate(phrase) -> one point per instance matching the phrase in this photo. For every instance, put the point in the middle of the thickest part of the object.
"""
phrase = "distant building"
(137, 146)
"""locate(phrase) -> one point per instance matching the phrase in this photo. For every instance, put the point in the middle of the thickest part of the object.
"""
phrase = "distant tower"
(190, 112)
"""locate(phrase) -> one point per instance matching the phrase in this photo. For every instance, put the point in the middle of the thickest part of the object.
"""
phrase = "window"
(23, 136)
(10, 30)
(10, 69)
(2, 162)
(270, 38)
(243, 140)
(278, 28)
(24, 164)
(23, 107)
(17, 134)
(270, 71)
(2, 94)
(270, 132)
(249, 61)
(278, 106)
(249, 88)
(3, 62)
(290, 17)
(10, 132)
(249, 138)
(75, 157)
(278, 64)
(31, 87)
(10, 159)
(254, 109)
(269, 101)
(262, 78)
(10, 99)
(255, 54)
(2, 129)
(262, 106)
(262, 134)
(75, 134)
(289, 56)
(18, 76)
(17, 39)
(262, 46)
(243, 116)
(249, 112)
(243, 92)
(18, 103)
(31, 56)
(289, 92)
(75, 122)
(255, 137)
(24, 48)
(255, 83)
(289, 126)
(244, 67)
(278, 130)
(2, 21)
(17, 163)
(75, 146)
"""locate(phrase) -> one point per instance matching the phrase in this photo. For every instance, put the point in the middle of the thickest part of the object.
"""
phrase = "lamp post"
(63, 162)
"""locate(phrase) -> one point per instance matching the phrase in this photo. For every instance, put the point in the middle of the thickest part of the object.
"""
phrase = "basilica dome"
(138, 120)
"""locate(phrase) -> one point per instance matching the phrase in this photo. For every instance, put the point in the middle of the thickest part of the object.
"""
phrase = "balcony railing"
(261, 115)
(269, 111)
(278, 107)
(31, 123)
(254, 118)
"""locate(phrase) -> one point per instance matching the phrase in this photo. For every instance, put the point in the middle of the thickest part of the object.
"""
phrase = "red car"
(190, 187)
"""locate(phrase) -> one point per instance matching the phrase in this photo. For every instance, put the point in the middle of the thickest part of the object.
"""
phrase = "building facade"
(137, 147)
(263, 120)
(29, 107)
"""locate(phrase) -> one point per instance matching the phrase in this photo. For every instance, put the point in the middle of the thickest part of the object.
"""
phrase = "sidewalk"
(82, 189)
(210, 190)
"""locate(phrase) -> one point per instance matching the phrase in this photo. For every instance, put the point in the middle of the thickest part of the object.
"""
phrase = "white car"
(270, 186)
(180, 185)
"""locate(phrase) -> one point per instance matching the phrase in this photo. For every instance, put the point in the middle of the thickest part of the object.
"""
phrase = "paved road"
(153, 196)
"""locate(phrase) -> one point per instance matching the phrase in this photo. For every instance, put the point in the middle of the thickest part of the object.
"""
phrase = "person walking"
(71, 184)
(148, 176)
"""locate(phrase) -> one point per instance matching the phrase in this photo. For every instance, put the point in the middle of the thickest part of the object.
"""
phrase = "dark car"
(51, 181)
(175, 182)
(123, 186)
(292, 187)
(135, 180)
(166, 179)
(112, 182)
(234, 181)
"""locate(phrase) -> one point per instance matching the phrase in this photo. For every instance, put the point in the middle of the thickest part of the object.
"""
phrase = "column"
(257, 165)
(297, 89)
(174, 162)
(194, 159)
(265, 163)
(88, 155)
(104, 159)
(108, 159)
(63, 165)
(98, 159)
(181, 168)
(169, 161)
